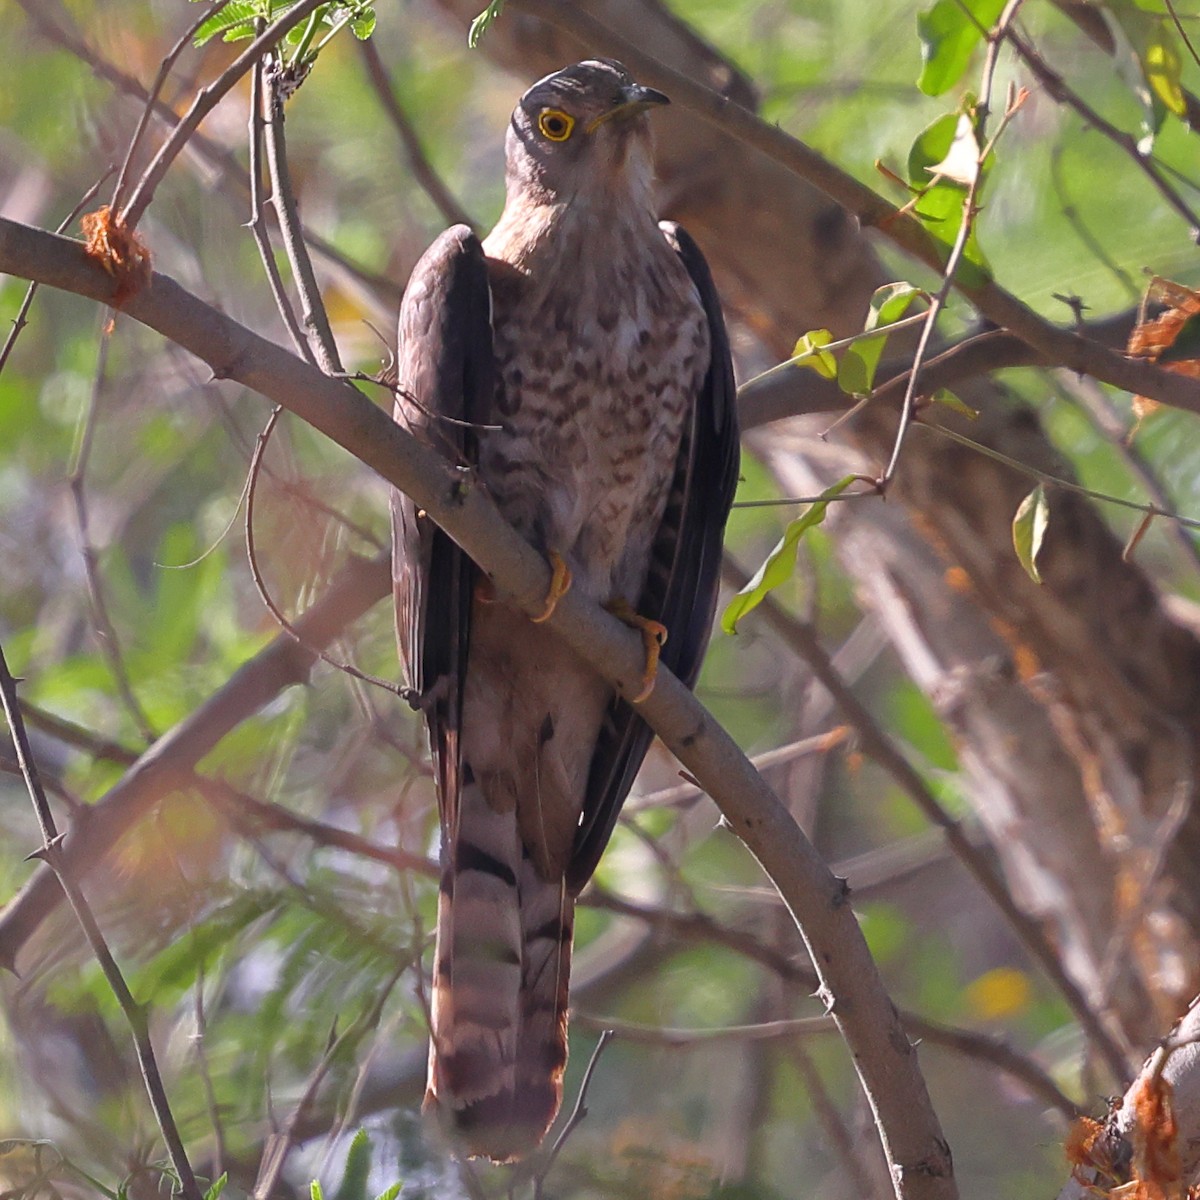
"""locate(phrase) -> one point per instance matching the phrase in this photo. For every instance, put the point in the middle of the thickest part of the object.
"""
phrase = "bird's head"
(581, 133)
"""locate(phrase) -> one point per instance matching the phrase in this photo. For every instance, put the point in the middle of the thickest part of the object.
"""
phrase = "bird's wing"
(446, 373)
(685, 568)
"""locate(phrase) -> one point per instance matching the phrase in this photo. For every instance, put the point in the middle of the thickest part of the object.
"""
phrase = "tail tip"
(504, 1127)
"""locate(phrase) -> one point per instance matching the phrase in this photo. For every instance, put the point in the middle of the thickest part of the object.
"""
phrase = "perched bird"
(576, 360)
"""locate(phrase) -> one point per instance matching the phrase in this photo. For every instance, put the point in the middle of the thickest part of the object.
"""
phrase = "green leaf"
(1029, 528)
(235, 17)
(483, 23)
(218, 1186)
(948, 39)
(1152, 37)
(358, 1168)
(1161, 65)
(363, 25)
(890, 303)
(316, 1191)
(941, 203)
(391, 1193)
(809, 352)
(777, 569)
(952, 402)
(856, 372)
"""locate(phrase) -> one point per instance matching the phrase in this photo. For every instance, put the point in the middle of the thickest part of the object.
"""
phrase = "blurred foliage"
(255, 948)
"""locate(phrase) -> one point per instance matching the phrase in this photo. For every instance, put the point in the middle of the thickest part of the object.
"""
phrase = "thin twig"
(134, 1013)
(283, 200)
(278, 1145)
(1095, 403)
(106, 631)
(1061, 91)
(418, 161)
(206, 99)
(71, 734)
(258, 225)
(839, 1136)
(1066, 485)
(1187, 41)
(164, 69)
(19, 321)
(260, 584)
(578, 1115)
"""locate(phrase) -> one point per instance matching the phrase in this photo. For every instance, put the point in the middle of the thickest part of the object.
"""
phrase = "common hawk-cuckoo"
(577, 360)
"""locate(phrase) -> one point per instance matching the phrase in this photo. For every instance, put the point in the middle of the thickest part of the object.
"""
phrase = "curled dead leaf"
(1171, 339)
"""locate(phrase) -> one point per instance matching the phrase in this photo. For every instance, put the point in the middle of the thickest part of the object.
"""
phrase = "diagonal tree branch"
(916, 1151)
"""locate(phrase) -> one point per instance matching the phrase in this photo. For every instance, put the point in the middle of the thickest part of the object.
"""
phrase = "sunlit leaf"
(809, 352)
(1153, 38)
(233, 18)
(483, 23)
(947, 398)
(941, 204)
(961, 163)
(1162, 65)
(856, 371)
(391, 1192)
(779, 564)
(1029, 528)
(949, 36)
(218, 1186)
(363, 25)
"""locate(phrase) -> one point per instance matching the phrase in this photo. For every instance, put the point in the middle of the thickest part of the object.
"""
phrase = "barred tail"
(498, 1044)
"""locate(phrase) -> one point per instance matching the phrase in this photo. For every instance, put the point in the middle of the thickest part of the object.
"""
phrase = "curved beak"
(635, 99)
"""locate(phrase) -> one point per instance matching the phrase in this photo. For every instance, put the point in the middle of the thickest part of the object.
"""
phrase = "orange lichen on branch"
(119, 250)
(1172, 339)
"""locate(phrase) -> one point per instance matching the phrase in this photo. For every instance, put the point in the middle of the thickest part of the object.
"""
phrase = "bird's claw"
(560, 585)
(654, 635)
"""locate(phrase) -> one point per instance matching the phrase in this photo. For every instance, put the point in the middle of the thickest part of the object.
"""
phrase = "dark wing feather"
(685, 569)
(446, 369)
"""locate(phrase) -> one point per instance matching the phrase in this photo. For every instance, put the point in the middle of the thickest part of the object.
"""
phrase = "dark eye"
(555, 124)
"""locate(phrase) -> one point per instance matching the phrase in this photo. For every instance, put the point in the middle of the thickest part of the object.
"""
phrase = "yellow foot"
(654, 635)
(560, 585)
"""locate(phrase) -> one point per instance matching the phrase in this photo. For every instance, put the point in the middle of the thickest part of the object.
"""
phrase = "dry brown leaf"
(118, 249)
(1153, 339)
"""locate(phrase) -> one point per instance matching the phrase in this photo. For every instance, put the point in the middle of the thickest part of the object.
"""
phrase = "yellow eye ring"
(555, 124)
